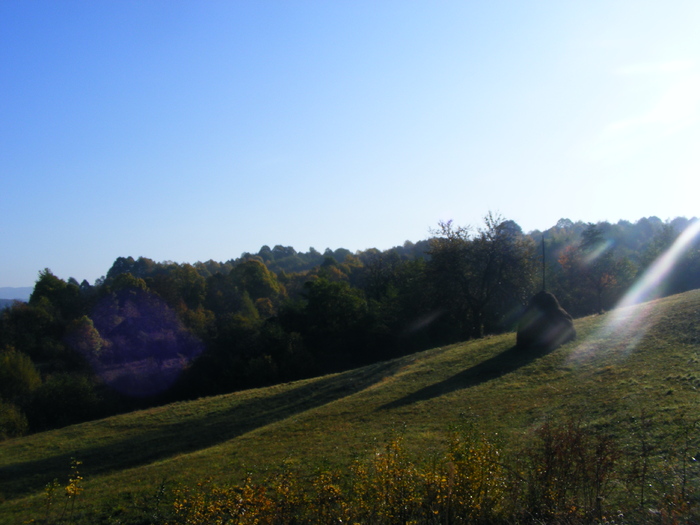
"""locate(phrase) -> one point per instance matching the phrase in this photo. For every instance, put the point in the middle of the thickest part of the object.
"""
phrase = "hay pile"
(545, 323)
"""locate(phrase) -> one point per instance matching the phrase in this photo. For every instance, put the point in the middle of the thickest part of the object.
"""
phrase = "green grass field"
(639, 363)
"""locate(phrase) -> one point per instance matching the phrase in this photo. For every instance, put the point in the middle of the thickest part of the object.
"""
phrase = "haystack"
(545, 323)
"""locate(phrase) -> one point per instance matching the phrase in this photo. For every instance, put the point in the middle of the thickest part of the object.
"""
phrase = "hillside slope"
(640, 360)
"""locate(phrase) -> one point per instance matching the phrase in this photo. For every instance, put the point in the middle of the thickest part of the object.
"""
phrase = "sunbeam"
(599, 250)
(627, 325)
(649, 285)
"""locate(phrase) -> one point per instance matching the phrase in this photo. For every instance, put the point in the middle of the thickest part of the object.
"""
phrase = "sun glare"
(648, 287)
(598, 251)
(629, 325)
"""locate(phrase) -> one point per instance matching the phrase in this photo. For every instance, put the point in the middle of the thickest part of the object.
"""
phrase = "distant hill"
(6, 303)
(20, 293)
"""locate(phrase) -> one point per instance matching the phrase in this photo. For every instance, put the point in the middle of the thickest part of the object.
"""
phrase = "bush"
(13, 423)
(18, 376)
(569, 473)
(62, 400)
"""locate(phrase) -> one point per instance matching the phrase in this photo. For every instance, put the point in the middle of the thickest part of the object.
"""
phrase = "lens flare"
(650, 286)
(627, 325)
(138, 346)
(599, 250)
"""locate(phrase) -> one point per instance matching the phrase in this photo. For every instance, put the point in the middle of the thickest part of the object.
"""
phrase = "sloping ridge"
(411, 388)
(213, 421)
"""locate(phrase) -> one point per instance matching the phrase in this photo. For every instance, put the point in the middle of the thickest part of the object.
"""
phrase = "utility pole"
(544, 282)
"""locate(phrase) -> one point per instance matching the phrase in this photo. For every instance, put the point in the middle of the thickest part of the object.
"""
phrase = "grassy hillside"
(642, 362)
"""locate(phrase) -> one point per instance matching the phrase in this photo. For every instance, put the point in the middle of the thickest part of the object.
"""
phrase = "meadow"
(480, 409)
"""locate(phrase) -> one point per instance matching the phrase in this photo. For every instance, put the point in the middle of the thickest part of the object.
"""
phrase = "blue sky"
(190, 131)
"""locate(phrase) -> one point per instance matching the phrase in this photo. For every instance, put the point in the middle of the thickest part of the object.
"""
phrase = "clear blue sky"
(190, 131)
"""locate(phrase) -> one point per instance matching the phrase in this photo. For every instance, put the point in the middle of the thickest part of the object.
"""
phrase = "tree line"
(154, 332)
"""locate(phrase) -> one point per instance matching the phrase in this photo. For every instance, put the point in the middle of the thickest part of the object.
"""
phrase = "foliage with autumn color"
(149, 333)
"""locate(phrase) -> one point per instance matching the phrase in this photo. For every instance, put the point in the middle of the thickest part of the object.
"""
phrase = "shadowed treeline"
(639, 407)
(151, 333)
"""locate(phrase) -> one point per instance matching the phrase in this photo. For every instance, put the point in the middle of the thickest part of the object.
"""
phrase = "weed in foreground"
(568, 473)
(71, 491)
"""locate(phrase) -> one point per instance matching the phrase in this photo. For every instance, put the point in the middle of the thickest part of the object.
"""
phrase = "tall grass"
(567, 473)
(564, 473)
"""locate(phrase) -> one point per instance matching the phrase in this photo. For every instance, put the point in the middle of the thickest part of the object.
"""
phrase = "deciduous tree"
(474, 271)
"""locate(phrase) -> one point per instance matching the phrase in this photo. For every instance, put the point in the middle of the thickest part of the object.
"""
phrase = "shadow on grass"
(193, 434)
(493, 368)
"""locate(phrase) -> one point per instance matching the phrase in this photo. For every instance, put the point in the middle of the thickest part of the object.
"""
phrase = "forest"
(149, 333)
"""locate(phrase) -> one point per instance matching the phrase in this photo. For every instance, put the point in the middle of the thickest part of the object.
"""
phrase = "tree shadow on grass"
(181, 437)
(493, 368)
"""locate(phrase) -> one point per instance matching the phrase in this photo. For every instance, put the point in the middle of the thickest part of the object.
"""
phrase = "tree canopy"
(151, 332)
